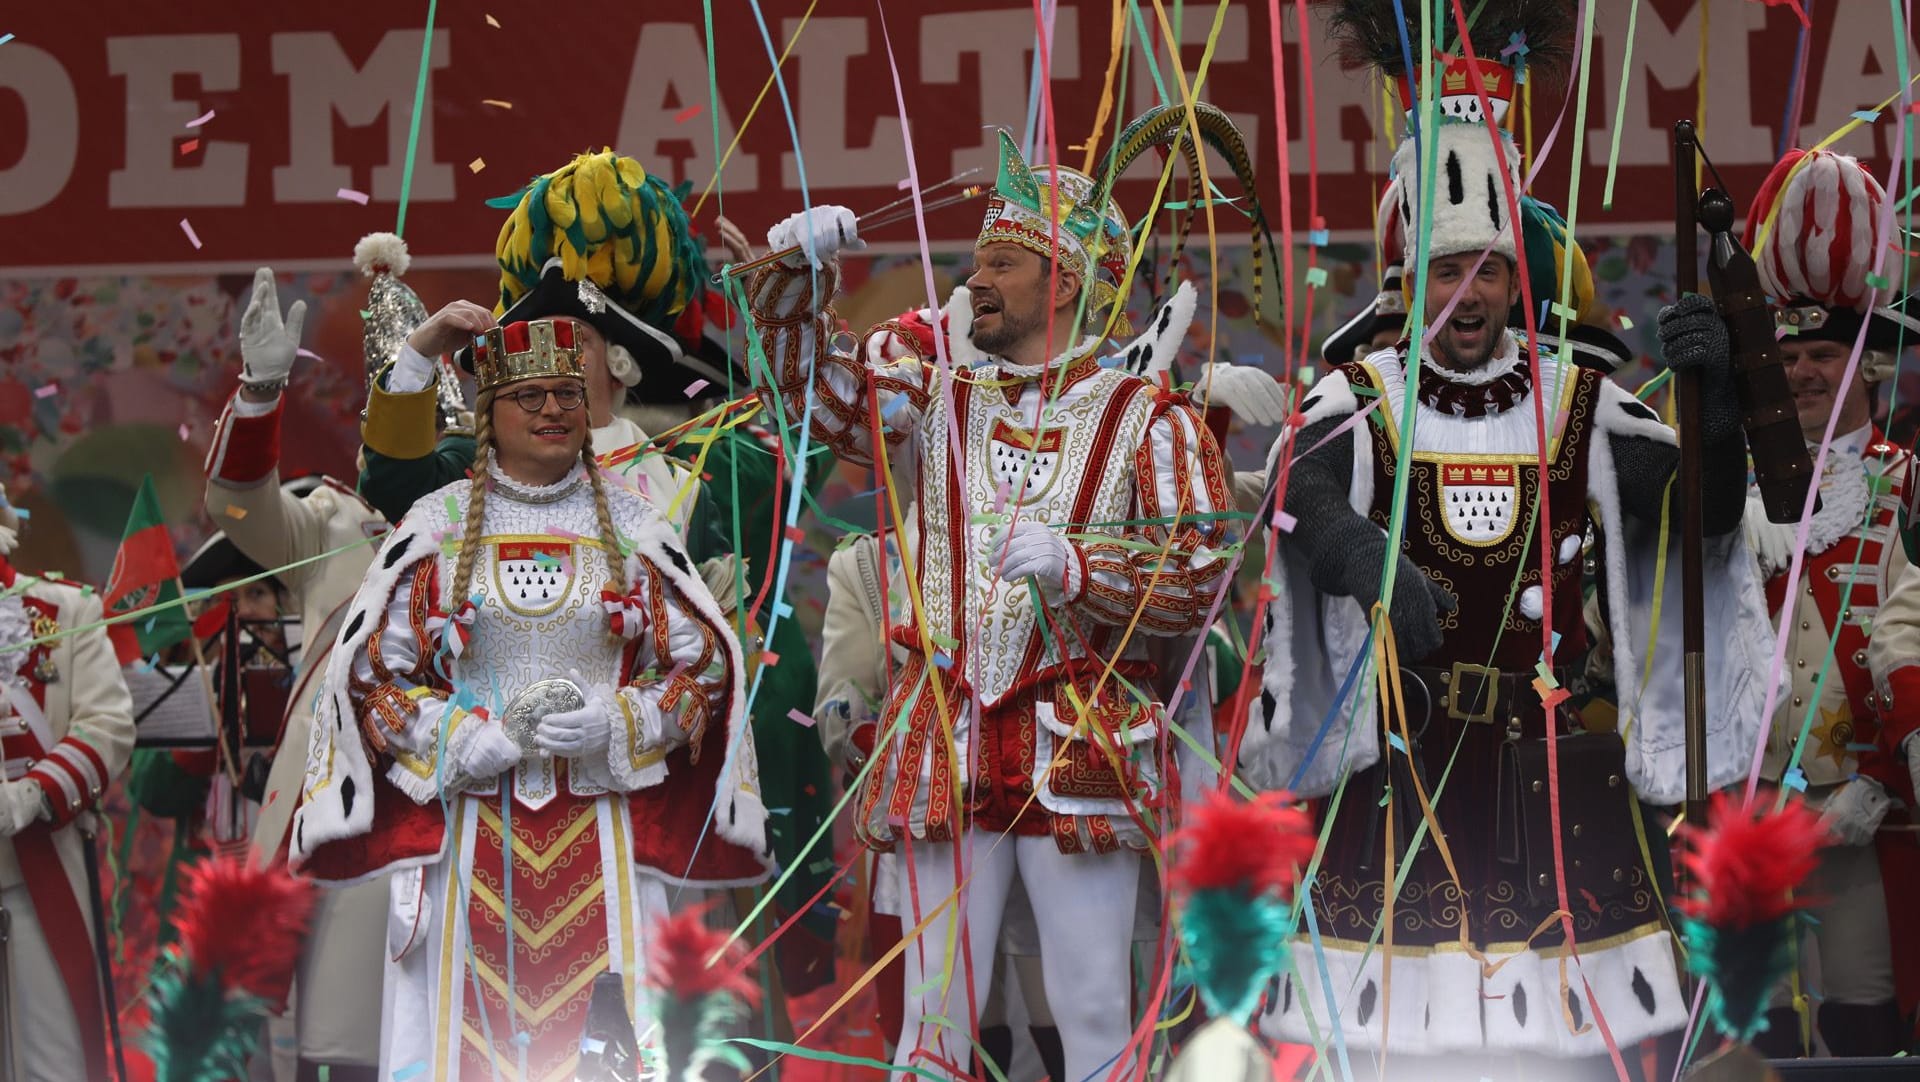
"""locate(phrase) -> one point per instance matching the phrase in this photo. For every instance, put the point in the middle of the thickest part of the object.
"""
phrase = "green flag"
(145, 574)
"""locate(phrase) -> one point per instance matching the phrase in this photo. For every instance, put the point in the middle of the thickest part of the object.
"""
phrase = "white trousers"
(1083, 906)
(45, 1034)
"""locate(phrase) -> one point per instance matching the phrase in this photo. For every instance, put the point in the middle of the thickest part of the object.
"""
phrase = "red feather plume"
(244, 923)
(1746, 864)
(689, 961)
(1255, 846)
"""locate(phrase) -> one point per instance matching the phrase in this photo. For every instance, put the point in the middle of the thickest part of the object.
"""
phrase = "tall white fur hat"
(1471, 211)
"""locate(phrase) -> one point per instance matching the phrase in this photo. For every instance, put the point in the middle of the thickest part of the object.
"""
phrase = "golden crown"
(531, 350)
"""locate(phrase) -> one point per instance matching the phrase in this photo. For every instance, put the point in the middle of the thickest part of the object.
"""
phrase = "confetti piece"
(496, 103)
(201, 119)
(686, 114)
(48, 391)
(1398, 744)
(1878, 281)
(942, 661)
(24, 515)
(769, 658)
(1307, 376)
(1546, 675)
(893, 406)
(493, 22)
(1318, 237)
(1866, 116)
(695, 388)
(307, 353)
(905, 183)
(795, 534)
(185, 430)
(1319, 222)
(476, 165)
(1781, 330)
(1626, 322)
(782, 609)
(805, 721)
(1564, 312)
(4, 38)
(1316, 276)
(352, 196)
(1796, 780)
(187, 228)
(189, 147)
(1283, 521)
(236, 512)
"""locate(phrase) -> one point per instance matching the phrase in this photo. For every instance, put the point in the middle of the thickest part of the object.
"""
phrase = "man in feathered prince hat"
(1485, 617)
(1034, 466)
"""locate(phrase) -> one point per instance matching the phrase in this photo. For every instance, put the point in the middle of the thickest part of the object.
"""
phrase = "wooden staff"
(1686, 395)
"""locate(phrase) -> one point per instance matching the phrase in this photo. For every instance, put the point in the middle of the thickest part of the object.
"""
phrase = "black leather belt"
(1479, 694)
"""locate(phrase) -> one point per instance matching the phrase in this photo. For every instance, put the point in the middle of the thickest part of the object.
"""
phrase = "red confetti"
(189, 147)
(686, 114)
(795, 534)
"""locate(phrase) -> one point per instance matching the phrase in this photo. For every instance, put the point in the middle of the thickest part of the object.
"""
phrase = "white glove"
(821, 233)
(21, 805)
(1910, 750)
(718, 573)
(1253, 395)
(577, 734)
(1853, 813)
(267, 345)
(480, 750)
(1029, 549)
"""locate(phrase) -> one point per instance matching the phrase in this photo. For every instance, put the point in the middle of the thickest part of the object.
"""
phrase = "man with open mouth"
(1459, 504)
(1066, 510)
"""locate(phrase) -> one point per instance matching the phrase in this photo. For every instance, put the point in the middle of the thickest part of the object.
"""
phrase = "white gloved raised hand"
(21, 805)
(480, 749)
(269, 344)
(577, 734)
(1252, 393)
(821, 233)
(1028, 549)
(1853, 813)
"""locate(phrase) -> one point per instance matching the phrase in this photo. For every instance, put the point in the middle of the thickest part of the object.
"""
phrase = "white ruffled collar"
(15, 628)
(1845, 498)
(521, 492)
(1508, 359)
(1035, 371)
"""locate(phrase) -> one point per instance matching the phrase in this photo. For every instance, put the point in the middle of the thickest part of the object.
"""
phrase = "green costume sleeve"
(392, 485)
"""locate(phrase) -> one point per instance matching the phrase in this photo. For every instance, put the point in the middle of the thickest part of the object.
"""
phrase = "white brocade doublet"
(536, 584)
(1076, 468)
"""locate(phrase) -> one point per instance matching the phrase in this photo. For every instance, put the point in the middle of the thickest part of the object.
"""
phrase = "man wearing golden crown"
(1438, 942)
(533, 720)
(1064, 507)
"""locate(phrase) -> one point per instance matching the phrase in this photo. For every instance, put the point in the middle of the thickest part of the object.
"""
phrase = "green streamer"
(413, 122)
(1619, 108)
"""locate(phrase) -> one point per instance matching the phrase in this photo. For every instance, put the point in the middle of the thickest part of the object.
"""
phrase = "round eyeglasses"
(534, 399)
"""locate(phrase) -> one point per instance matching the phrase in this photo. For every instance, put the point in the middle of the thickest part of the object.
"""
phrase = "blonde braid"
(616, 560)
(476, 501)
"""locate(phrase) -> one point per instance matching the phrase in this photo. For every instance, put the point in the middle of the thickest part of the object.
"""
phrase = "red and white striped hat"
(1816, 254)
(1826, 208)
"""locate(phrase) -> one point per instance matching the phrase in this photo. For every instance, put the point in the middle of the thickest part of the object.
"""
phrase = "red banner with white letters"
(222, 134)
